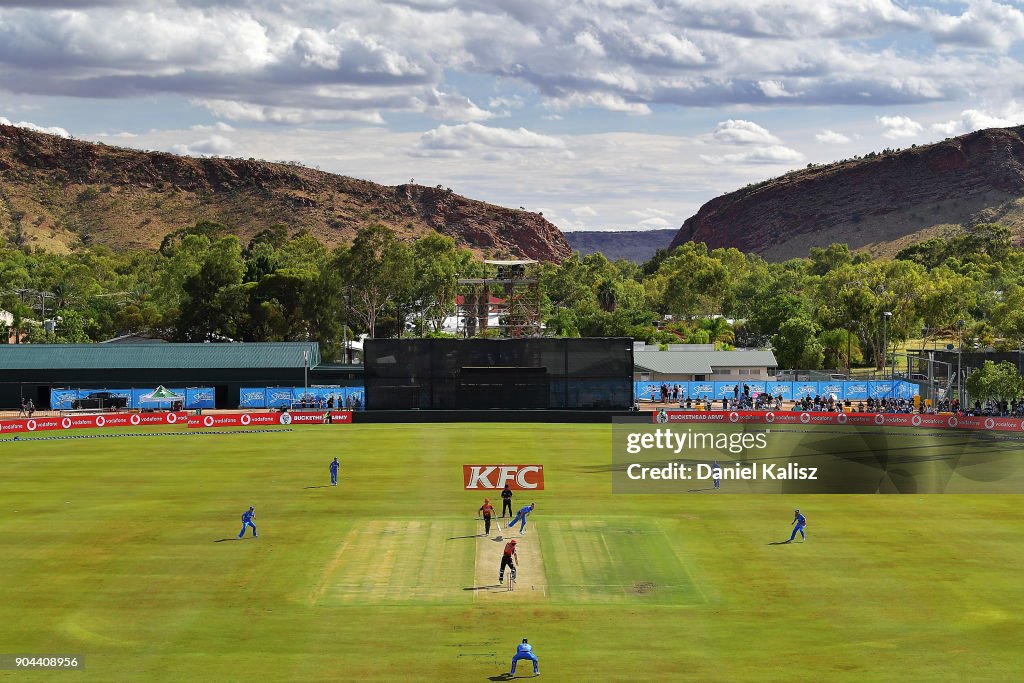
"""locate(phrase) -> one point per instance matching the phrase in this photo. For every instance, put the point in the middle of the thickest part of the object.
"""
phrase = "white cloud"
(740, 132)
(983, 24)
(831, 137)
(219, 127)
(52, 130)
(215, 145)
(767, 154)
(583, 211)
(897, 127)
(976, 119)
(473, 135)
(774, 89)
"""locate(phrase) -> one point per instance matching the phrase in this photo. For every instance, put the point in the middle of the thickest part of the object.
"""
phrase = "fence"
(790, 391)
(314, 397)
(194, 397)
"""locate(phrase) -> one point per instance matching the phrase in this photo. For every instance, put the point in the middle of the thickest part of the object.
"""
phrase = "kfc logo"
(495, 477)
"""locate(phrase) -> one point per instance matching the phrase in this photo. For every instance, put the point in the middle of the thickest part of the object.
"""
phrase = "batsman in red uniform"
(487, 510)
(510, 559)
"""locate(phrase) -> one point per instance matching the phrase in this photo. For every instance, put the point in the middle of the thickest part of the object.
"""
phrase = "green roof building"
(31, 370)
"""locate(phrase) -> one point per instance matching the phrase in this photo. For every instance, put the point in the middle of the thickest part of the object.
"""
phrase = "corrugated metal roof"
(163, 356)
(701, 362)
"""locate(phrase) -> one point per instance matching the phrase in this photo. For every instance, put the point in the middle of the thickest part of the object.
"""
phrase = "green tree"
(998, 381)
(380, 270)
(796, 345)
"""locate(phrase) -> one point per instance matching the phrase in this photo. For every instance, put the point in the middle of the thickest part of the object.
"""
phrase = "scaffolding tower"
(510, 302)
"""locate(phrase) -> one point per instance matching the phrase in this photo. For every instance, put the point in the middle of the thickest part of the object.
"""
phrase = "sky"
(602, 114)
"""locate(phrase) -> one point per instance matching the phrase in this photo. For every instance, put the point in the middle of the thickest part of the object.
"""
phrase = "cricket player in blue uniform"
(525, 651)
(334, 472)
(800, 523)
(522, 515)
(716, 470)
(247, 522)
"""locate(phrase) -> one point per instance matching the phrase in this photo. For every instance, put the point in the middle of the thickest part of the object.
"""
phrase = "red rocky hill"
(58, 193)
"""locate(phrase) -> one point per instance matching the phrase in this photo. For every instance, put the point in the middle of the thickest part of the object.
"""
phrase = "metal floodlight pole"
(305, 373)
(885, 343)
(959, 364)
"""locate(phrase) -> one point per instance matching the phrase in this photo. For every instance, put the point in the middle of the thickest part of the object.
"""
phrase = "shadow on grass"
(482, 588)
(780, 542)
(233, 538)
(509, 677)
(325, 486)
(455, 538)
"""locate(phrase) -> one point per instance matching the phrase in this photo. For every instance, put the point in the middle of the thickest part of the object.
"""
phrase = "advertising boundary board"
(768, 417)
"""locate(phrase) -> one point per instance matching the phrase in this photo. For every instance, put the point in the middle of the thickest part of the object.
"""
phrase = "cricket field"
(123, 551)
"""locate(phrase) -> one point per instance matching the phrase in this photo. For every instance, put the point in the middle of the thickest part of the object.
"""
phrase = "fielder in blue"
(334, 472)
(522, 515)
(247, 522)
(716, 470)
(525, 651)
(800, 521)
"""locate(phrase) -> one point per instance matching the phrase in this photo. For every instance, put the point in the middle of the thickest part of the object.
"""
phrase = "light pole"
(305, 373)
(959, 360)
(885, 343)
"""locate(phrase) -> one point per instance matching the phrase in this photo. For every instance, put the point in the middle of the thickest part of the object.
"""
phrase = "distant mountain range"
(880, 203)
(58, 193)
(632, 245)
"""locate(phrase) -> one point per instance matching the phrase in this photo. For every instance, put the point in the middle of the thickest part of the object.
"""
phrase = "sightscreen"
(478, 374)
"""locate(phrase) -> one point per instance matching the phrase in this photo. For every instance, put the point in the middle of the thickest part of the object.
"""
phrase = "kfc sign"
(494, 477)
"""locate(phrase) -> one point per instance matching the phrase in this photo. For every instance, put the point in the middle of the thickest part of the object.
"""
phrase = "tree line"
(824, 310)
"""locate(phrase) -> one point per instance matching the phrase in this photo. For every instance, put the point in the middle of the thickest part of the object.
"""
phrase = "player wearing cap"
(800, 521)
(487, 510)
(247, 521)
(510, 559)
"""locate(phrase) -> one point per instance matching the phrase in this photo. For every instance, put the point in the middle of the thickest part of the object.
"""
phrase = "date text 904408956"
(14, 662)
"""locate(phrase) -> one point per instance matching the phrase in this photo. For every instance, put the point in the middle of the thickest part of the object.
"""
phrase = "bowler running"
(521, 515)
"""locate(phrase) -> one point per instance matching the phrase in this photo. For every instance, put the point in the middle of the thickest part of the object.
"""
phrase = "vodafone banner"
(494, 477)
(269, 419)
(40, 424)
(998, 424)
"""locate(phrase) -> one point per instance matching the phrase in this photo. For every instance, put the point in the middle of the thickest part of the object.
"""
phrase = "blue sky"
(603, 114)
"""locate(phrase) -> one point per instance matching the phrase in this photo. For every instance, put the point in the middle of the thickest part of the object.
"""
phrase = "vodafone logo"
(805, 418)
(245, 419)
(952, 421)
(769, 417)
(30, 425)
(989, 423)
(66, 423)
(879, 419)
(734, 417)
(916, 420)
(135, 419)
(841, 418)
(171, 418)
(208, 421)
(101, 421)
(495, 477)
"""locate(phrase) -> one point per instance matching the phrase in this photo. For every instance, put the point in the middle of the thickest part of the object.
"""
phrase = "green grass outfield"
(112, 548)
